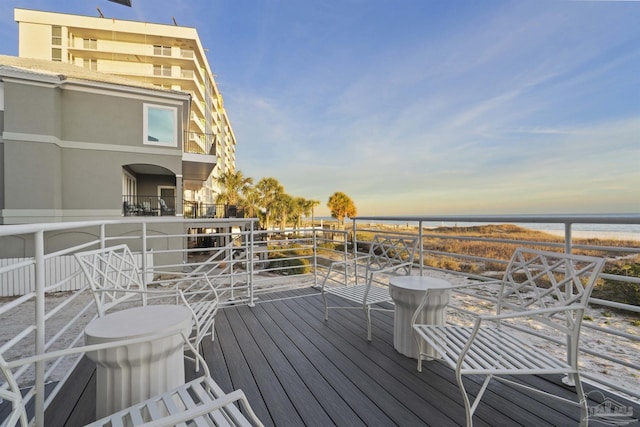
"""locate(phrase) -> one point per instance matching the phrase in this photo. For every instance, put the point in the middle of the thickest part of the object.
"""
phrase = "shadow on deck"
(297, 369)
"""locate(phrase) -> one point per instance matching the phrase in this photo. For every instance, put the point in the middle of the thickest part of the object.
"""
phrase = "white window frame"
(173, 120)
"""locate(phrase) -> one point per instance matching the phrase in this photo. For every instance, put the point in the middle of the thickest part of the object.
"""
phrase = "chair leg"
(582, 399)
(468, 407)
(419, 341)
(467, 404)
(326, 307)
(367, 315)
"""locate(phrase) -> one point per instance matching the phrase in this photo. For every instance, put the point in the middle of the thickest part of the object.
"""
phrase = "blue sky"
(425, 106)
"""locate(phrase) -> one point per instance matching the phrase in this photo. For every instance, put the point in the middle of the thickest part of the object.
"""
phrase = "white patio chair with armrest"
(547, 289)
(114, 278)
(387, 254)
(199, 402)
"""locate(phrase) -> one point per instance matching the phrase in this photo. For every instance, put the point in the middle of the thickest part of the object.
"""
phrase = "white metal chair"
(391, 254)
(199, 402)
(547, 289)
(114, 278)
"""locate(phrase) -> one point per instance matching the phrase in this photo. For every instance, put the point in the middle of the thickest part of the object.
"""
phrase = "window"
(56, 54)
(162, 70)
(160, 125)
(56, 36)
(91, 64)
(186, 53)
(161, 50)
(90, 43)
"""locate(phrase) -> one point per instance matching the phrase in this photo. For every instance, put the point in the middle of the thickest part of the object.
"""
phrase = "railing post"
(421, 251)
(40, 324)
(250, 264)
(567, 237)
(314, 241)
(103, 236)
(568, 379)
(355, 254)
(229, 257)
(144, 261)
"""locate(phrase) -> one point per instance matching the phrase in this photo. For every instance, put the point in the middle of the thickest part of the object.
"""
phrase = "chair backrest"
(537, 279)
(392, 252)
(10, 391)
(111, 272)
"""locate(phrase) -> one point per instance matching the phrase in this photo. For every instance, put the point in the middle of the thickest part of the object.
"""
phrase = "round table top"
(419, 283)
(137, 322)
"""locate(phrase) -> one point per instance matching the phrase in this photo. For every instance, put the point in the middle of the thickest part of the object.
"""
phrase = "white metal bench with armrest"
(391, 254)
(115, 278)
(547, 289)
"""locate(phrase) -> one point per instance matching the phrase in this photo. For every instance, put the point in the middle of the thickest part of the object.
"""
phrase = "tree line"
(268, 201)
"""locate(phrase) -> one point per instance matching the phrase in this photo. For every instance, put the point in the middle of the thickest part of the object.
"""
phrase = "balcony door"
(129, 187)
(168, 194)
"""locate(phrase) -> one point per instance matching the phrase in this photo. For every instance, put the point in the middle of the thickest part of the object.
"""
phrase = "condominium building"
(76, 144)
(168, 56)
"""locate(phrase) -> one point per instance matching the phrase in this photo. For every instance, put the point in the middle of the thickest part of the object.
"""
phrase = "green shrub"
(282, 264)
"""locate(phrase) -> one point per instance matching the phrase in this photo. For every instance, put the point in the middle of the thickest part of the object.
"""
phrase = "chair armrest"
(93, 347)
(529, 313)
(217, 404)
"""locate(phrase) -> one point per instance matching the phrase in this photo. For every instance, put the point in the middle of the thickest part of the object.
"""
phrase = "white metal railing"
(246, 263)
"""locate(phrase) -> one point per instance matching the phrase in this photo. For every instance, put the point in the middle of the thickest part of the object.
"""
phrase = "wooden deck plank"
(305, 403)
(299, 372)
(326, 379)
(238, 368)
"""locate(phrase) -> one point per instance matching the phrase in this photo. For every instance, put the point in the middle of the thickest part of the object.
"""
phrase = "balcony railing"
(246, 263)
(199, 143)
(211, 210)
(148, 205)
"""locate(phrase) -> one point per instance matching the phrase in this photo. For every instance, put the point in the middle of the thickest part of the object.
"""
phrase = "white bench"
(546, 289)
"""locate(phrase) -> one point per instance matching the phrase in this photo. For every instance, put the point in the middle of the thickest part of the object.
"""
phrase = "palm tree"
(310, 209)
(282, 207)
(252, 202)
(232, 186)
(269, 189)
(341, 205)
(297, 211)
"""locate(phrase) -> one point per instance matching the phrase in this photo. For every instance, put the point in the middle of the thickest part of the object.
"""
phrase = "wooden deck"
(297, 369)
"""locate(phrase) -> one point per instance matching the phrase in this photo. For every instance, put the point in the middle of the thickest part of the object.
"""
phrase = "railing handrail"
(542, 218)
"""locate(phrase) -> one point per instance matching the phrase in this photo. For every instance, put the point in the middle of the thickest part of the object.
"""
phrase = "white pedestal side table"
(407, 293)
(131, 374)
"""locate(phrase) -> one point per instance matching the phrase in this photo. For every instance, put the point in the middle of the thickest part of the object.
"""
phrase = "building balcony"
(211, 210)
(198, 156)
